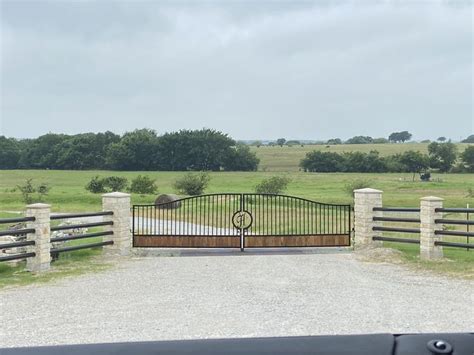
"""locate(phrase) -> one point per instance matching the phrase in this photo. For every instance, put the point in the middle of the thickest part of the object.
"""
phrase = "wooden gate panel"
(181, 241)
(296, 241)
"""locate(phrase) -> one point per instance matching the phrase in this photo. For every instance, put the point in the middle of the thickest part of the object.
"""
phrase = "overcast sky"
(307, 70)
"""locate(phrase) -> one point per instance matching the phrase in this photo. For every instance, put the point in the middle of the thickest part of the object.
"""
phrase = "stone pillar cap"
(431, 198)
(116, 194)
(368, 190)
(38, 205)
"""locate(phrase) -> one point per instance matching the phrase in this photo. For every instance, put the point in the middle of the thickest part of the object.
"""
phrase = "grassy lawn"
(69, 264)
(287, 158)
(68, 195)
(456, 262)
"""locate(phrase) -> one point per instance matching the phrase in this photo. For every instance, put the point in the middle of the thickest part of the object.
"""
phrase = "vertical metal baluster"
(306, 217)
(225, 216)
(208, 213)
(300, 218)
(279, 216)
(328, 216)
(186, 217)
(272, 217)
(320, 228)
(287, 221)
(214, 214)
(292, 218)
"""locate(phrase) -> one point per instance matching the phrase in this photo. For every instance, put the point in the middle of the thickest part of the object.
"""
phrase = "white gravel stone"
(248, 295)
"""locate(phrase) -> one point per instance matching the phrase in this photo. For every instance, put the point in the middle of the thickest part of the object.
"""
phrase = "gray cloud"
(300, 70)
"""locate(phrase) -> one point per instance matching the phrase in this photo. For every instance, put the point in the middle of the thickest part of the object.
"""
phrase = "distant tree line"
(395, 137)
(441, 157)
(143, 149)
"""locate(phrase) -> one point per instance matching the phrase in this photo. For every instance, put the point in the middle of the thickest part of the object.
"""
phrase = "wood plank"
(179, 241)
(331, 240)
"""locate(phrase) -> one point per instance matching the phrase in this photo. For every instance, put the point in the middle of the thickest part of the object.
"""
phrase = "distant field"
(288, 158)
(68, 193)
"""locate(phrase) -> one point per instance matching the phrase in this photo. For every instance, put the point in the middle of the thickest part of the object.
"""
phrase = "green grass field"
(68, 194)
(287, 158)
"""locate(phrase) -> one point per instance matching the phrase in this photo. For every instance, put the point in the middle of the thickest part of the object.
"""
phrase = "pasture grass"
(68, 264)
(68, 195)
(287, 158)
(456, 262)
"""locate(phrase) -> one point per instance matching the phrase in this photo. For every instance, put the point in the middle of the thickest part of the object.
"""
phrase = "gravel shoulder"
(249, 295)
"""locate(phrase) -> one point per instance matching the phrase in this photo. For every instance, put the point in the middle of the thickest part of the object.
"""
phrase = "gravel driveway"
(247, 295)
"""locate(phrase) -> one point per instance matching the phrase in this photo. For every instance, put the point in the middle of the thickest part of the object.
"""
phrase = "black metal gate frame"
(241, 215)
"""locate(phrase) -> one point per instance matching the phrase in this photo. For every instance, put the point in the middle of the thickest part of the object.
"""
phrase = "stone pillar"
(428, 250)
(119, 204)
(364, 202)
(41, 224)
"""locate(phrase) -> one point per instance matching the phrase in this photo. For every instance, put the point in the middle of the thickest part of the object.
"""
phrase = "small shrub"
(143, 185)
(274, 185)
(28, 189)
(96, 185)
(192, 184)
(425, 177)
(115, 183)
(42, 190)
(357, 184)
(99, 185)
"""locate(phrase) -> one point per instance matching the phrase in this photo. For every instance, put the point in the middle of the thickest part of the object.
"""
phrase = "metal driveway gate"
(230, 220)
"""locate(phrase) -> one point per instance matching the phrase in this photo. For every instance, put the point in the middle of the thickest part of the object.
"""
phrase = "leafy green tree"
(41, 153)
(467, 158)
(393, 164)
(10, 153)
(322, 162)
(84, 151)
(414, 162)
(360, 140)
(334, 141)
(359, 162)
(281, 142)
(137, 150)
(469, 139)
(397, 137)
(198, 150)
(442, 155)
(441, 139)
(240, 158)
